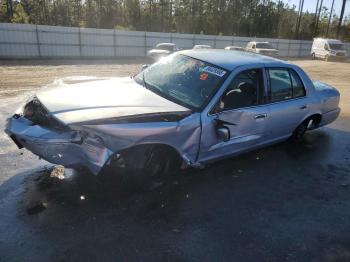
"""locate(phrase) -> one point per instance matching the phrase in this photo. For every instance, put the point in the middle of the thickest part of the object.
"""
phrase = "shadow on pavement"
(80, 189)
(284, 202)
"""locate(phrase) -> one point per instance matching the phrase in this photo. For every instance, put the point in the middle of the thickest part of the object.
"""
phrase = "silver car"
(263, 48)
(188, 109)
(162, 50)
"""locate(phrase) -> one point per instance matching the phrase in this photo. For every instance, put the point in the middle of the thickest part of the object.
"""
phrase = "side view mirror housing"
(223, 133)
(143, 67)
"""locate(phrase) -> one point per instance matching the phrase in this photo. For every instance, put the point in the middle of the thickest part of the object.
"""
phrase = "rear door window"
(280, 84)
(284, 84)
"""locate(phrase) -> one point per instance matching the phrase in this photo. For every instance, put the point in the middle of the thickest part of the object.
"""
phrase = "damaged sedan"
(188, 109)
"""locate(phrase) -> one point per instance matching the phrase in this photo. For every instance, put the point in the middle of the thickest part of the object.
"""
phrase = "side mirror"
(143, 67)
(223, 133)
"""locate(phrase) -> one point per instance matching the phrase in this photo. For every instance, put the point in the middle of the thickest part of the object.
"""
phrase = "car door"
(239, 111)
(287, 102)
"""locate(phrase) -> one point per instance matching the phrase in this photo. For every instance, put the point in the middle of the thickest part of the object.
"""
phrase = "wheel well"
(139, 150)
(316, 118)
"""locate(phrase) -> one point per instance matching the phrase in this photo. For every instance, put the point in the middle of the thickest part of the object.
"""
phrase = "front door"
(241, 112)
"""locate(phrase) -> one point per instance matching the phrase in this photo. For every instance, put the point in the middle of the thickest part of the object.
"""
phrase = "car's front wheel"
(144, 165)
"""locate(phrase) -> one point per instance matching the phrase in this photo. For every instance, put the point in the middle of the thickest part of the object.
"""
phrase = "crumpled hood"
(102, 99)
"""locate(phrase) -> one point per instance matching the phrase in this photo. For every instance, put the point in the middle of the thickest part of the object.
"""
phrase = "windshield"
(183, 80)
(165, 47)
(336, 46)
(264, 46)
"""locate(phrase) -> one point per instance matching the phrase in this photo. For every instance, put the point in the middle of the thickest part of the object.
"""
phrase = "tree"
(19, 15)
(260, 18)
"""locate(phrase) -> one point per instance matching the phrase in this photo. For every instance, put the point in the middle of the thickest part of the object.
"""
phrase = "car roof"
(330, 40)
(231, 60)
(260, 42)
(172, 44)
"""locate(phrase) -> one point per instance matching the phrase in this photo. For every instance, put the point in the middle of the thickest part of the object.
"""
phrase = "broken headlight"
(35, 112)
(38, 114)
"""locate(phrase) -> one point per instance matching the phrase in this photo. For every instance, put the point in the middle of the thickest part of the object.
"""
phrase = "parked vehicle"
(162, 50)
(237, 48)
(263, 48)
(192, 107)
(201, 47)
(328, 49)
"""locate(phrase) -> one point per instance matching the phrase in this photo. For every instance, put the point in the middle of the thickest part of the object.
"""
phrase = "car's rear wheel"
(300, 131)
(313, 56)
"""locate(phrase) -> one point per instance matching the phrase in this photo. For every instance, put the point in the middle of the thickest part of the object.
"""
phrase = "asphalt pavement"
(286, 202)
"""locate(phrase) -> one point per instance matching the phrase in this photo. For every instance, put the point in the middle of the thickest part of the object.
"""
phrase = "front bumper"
(67, 148)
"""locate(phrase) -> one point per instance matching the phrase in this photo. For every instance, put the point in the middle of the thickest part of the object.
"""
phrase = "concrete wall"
(35, 41)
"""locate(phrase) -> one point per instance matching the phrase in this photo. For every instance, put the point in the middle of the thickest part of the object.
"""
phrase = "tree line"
(252, 18)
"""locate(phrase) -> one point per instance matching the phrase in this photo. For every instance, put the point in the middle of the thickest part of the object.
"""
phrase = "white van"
(328, 49)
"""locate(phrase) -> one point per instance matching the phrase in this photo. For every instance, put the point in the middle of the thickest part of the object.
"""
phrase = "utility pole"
(171, 16)
(330, 17)
(9, 10)
(318, 17)
(301, 6)
(315, 18)
(192, 17)
(341, 17)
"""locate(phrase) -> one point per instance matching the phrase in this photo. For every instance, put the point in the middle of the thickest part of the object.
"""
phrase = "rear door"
(287, 102)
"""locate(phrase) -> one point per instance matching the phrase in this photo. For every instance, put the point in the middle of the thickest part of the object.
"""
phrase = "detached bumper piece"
(67, 148)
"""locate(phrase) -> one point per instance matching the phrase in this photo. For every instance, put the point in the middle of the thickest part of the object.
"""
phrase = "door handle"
(303, 107)
(260, 116)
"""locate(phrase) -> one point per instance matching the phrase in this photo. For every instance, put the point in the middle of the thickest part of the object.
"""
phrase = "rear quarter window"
(298, 87)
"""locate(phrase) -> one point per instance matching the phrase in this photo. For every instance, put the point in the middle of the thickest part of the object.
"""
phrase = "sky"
(310, 5)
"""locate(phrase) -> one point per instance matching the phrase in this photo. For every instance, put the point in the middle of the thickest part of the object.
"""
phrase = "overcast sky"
(310, 5)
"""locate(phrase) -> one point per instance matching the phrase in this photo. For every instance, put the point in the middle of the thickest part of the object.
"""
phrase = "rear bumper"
(65, 148)
(329, 117)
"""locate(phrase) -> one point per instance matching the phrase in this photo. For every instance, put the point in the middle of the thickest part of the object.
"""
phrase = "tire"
(147, 163)
(326, 58)
(139, 168)
(159, 163)
(300, 131)
(313, 56)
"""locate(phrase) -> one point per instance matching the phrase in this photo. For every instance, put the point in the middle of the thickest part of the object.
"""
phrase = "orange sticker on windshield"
(203, 76)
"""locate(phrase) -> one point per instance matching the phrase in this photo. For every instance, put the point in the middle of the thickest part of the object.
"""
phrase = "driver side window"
(243, 91)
